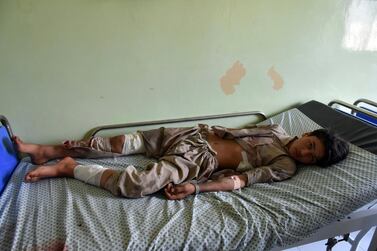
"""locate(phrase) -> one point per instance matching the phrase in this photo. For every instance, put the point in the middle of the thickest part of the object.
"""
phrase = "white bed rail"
(92, 132)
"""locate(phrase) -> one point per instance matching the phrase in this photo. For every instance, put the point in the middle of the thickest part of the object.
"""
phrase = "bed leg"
(355, 243)
(331, 242)
(373, 241)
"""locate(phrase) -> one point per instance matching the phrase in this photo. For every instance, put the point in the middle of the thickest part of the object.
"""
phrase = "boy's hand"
(177, 192)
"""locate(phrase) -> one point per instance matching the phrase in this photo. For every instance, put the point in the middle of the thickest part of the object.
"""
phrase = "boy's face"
(307, 149)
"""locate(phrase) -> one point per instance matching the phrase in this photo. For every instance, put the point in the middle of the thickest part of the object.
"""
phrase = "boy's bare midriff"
(228, 151)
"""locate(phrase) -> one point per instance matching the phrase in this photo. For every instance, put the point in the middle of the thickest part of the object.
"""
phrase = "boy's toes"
(31, 177)
(27, 178)
(17, 141)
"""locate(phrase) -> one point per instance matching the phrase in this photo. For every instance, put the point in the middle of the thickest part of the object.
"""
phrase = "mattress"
(66, 213)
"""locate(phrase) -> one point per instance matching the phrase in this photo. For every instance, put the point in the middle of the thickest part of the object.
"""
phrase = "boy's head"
(318, 147)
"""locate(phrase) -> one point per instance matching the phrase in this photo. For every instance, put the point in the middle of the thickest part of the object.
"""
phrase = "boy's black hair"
(336, 149)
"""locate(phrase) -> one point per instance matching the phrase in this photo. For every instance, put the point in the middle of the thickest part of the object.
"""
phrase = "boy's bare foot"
(63, 168)
(35, 151)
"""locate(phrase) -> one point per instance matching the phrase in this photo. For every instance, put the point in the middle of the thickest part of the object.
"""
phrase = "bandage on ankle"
(90, 174)
(100, 144)
(133, 144)
(237, 182)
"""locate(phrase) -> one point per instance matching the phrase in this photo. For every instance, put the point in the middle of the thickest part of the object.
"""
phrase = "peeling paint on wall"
(276, 78)
(232, 77)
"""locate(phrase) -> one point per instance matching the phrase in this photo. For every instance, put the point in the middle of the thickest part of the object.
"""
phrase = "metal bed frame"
(365, 218)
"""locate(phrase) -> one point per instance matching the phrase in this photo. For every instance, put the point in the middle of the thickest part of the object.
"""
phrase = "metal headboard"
(92, 132)
(366, 101)
(354, 107)
(5, 122)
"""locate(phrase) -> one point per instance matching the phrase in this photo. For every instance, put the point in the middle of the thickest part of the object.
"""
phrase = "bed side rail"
(92, 132)
(355, 109)
(366, 101)
(367, 105)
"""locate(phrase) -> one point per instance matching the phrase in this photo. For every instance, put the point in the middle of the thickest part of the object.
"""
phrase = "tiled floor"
(341, 246)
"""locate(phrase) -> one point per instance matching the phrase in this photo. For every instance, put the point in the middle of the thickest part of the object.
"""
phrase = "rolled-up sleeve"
(282, 168)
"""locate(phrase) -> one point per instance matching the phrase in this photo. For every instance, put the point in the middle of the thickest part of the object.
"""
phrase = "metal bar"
(5, 122)
(353, 108)
(355, 242)
(373, 241)
(353, 222)
(95, 130)
(366, 101)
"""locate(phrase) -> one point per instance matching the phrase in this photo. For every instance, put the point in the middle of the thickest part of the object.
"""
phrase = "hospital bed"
(315, 204)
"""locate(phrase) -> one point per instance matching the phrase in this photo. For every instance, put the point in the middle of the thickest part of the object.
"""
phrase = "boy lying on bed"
(190, 160)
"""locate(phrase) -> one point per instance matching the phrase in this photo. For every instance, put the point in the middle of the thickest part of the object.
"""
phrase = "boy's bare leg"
(105, 176)
(117, 143)
(40, 154)
(64, 168)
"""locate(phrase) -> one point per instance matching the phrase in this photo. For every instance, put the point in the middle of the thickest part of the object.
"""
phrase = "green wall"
(67, 66)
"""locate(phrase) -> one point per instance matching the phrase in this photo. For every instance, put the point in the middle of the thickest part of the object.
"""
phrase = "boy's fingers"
(179, 189)
(170, 196)
(170, 192)
(173, 192)
(168, 187)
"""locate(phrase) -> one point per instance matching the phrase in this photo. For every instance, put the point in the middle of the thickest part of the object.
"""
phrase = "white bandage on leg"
(237, 182)
(133, 143)
(100, 144)
(90, 174)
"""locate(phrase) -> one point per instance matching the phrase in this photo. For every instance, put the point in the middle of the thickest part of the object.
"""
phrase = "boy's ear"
(305, 134)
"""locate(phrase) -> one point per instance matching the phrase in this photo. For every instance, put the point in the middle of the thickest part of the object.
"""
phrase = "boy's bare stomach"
(228, 151)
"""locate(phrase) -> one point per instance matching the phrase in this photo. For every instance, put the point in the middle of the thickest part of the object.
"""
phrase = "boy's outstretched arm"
(180, 191)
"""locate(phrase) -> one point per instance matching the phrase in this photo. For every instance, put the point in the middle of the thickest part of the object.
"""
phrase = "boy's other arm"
(180, 191)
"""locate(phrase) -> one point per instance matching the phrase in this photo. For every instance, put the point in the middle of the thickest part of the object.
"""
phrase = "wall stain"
(232, 77)
(276, 78)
